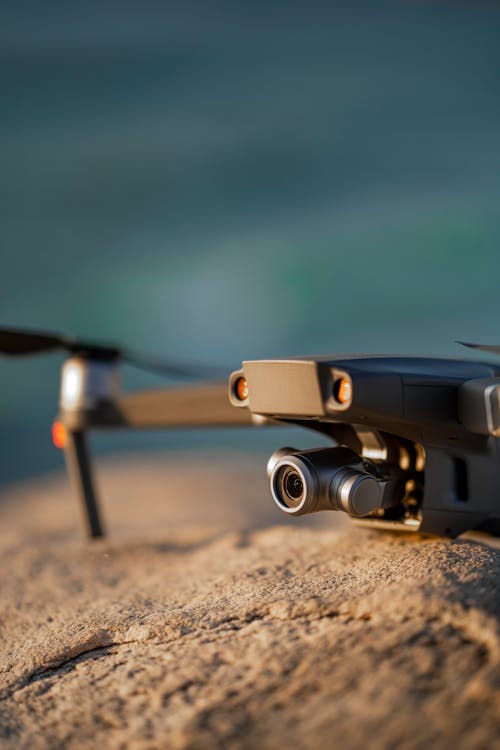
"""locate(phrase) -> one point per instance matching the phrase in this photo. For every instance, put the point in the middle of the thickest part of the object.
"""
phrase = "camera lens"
(291, 487)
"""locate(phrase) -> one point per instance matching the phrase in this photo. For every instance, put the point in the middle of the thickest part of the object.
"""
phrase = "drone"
(415, 440)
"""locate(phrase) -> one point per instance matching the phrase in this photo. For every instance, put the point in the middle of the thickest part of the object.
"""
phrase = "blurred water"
(225, 181)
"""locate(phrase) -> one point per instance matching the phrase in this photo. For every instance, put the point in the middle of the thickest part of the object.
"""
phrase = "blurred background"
(220, 181)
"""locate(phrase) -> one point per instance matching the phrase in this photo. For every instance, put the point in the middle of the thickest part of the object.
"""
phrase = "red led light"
(59, 437)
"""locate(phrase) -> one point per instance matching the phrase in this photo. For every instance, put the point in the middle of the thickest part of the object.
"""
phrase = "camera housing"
(331, 479)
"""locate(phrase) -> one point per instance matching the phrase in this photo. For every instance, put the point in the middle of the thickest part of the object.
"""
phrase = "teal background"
(219, 181)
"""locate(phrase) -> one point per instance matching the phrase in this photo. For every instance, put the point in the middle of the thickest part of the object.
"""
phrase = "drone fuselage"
(435, 422)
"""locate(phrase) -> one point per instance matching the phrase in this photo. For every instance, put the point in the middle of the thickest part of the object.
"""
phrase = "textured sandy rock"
(198, 624)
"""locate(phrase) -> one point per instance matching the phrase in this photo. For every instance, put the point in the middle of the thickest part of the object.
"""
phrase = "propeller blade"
(20, 342)
(16, 342)
(481, 347)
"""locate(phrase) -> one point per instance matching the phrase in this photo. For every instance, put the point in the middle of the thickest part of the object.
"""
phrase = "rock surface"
(200, 624)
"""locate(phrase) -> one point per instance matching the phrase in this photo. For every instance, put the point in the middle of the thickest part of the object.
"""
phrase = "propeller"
(16, 342)
(481, 347)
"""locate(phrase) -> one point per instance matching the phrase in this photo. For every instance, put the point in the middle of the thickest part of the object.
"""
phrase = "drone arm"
(79, 469)
(192, 406)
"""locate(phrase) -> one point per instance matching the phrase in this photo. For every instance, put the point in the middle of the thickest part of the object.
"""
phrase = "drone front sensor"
(342, 390)
(241, 389)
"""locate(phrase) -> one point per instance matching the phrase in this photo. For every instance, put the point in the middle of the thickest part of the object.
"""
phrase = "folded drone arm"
(192, 406)
(197, 406)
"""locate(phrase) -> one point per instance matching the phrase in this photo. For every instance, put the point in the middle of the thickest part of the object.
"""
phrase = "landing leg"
(78, 463)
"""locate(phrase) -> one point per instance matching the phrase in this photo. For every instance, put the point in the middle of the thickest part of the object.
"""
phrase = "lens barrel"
(290, 486)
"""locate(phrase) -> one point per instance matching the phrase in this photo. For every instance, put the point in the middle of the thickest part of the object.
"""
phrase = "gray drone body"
(417, 440)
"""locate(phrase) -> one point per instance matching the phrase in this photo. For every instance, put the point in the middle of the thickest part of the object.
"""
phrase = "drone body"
(417, 440)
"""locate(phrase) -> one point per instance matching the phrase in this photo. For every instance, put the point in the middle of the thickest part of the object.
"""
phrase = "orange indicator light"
(343, 391)
(59, 436)
(241, 389)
